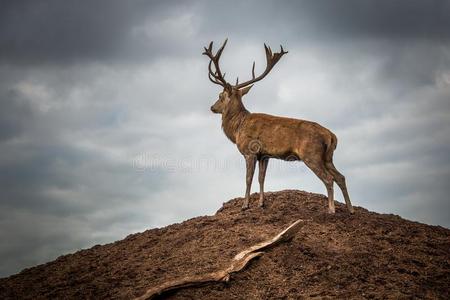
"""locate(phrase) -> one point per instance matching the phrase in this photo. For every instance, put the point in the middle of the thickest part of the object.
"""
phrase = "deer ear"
(245, 90)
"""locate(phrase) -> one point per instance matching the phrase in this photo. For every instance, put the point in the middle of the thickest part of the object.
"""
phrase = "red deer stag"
(260, 136)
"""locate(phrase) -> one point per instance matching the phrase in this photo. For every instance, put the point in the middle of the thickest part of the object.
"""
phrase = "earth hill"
(362, 256)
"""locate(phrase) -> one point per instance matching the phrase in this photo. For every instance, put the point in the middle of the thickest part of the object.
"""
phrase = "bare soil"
(362, 256)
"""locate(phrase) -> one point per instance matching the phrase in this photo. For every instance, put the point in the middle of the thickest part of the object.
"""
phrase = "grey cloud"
(415, 64)
(51, 177)
(77, 192)
(14, 115)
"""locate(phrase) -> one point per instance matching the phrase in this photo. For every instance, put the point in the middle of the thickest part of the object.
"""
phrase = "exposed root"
(239, 262)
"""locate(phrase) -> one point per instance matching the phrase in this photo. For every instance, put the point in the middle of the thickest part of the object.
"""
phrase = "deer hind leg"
(250, 161)
(340, 180)
(319, 169)
(263, 162)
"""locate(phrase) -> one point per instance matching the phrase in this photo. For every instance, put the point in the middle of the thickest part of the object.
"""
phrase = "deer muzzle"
(214, 110)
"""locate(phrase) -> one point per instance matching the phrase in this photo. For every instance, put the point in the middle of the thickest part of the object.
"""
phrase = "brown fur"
(260, 137)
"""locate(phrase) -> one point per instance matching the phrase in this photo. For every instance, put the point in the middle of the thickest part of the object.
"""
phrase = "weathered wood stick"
(239, 262)
(283, 236)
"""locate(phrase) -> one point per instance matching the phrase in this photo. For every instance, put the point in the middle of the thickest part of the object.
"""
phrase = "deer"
(260, 136)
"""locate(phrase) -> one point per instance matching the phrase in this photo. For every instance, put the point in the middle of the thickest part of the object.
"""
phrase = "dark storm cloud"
(71, 32)
(340, 21)
(380, 19)
(39, 31)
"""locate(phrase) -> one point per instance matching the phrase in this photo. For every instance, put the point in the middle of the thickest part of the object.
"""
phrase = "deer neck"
(232, 119)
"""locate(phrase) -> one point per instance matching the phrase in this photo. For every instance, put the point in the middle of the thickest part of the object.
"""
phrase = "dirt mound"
(366, 255)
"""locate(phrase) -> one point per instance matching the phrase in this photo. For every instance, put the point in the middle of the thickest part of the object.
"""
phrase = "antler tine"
(271, 60)
(253, 71)
(216, 77)
(211, 76)
(213, 80)
(219, 52)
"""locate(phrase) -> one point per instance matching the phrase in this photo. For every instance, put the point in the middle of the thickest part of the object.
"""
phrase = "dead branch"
(239, 262)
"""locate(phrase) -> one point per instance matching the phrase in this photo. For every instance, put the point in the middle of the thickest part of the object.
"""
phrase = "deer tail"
(331, 144)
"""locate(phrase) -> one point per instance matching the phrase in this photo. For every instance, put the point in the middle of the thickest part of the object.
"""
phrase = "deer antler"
(271, 58)
(215, 76)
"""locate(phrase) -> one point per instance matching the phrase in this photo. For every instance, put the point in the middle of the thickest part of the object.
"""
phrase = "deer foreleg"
(263, 162)
(250, 161)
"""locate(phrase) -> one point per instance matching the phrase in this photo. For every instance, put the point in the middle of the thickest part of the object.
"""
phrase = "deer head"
(231, 96)
(229, 99)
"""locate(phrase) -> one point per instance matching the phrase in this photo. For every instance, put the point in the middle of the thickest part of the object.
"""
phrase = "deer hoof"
(261, 204)
(331, 211)
(352, 210)
(244, 207)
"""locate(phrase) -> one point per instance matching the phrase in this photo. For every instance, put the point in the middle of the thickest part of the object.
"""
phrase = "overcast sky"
(105, 127)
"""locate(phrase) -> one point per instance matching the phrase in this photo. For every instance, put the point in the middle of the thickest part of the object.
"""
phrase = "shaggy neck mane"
(232, 118)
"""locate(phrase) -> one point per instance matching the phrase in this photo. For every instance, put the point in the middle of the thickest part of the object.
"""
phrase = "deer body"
(260, 137)
(282, 138)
